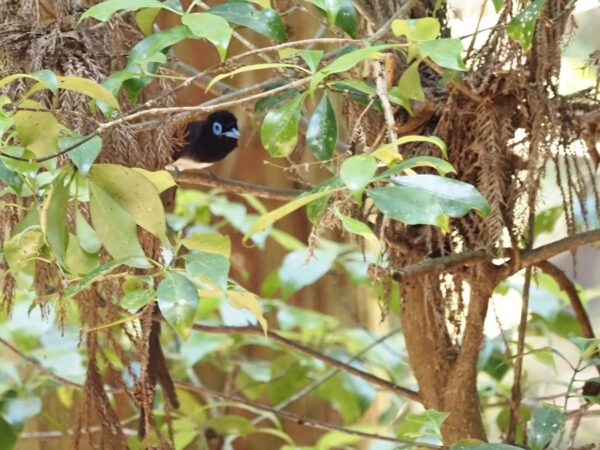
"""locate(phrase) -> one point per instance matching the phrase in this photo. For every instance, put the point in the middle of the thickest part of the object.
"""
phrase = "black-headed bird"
(207, 141)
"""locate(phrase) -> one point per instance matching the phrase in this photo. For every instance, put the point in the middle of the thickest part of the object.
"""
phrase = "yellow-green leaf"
(252, 68)
(161, 179)
(388, 155)
(357, 227)
(37, 130)
(53, 216)
(423, 29)
(134, 193)
(410, 83)
(116, 228)
(20, 252)
(248, 300)
(209, 243)
(77, 261)
(268, 219)
(88, 87)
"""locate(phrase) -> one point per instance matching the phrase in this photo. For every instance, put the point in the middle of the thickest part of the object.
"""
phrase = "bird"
(207, 141)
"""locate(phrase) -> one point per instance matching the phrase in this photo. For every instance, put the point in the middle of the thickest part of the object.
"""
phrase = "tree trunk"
(446, 373)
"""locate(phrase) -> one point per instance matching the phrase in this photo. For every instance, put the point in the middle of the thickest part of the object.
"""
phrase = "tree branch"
(39, 365)
(380, 382)
(528, 257)
(330, 374)
(301, 420)
(192, 179)
(568, 287)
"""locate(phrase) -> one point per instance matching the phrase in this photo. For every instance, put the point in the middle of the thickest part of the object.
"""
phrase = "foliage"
(87, 229)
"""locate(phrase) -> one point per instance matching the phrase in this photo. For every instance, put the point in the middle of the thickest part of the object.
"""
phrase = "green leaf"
(249, 301)
(441, 165)
(145, 19)
(142, 61)
(546, 220)
(265, 21)
(410, 83)
(134, 193)
(10, 178)
(322, 132)
(161, 179)
(347, 61)
(474, 444)
(454, 196)
(252, 68)
(303, 267)
(357, 172)
(209, 242)
(347, 18)
(230, 425)
(37, 130)
(76, 260)
(19, 253)
(362, 91)
(546, 421)
(409, 206)
(93, 275)
(46, 77)
(8, 436)
(53, 216)
(316, 208)
(428, 423)
(104, 10)
(211, 266)
(134, 300)
(268, 219)
(279, 129)
(17, 410)
(178, 302)
(330, 7)
(423, 29)
(446, 53)
(87, 237)
(336, 439)
(387, 152)
(84, 155)
(312, 58)
(116, 228)
(276, 100)
(211, 27)
(522, 27)
(498, 4)
(357, 227)
(88, 87)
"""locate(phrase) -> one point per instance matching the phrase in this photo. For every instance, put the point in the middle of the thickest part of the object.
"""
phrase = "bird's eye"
(217, 128)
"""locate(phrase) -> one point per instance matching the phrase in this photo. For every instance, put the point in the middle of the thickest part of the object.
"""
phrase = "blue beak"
(233, 133)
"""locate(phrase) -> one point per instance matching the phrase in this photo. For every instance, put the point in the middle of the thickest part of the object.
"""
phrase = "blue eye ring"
(217, 129)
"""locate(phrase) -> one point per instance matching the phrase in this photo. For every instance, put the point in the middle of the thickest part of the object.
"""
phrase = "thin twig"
(301, 420)
(380, 382)
(193, 179)
(31, 360)
(312, 386)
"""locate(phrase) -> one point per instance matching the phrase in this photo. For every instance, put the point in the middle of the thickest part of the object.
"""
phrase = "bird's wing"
(189, 136)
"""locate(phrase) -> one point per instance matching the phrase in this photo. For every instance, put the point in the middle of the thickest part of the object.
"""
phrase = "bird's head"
(222, 125)
(212, 139)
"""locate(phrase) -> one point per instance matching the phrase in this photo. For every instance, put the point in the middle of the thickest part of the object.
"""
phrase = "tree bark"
(446, 373)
